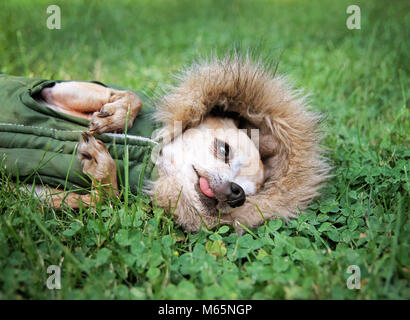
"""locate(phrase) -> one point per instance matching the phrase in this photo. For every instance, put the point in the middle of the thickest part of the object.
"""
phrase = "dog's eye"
(222, 150)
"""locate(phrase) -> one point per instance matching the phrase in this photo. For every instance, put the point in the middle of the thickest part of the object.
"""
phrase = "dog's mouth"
(205, 191)
(205, 187)
(215, 202)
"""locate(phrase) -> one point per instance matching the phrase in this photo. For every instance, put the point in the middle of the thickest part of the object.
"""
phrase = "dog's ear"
(273, 149)
(274, 154)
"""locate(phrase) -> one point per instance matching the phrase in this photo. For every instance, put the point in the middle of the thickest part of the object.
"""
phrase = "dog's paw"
(112, 117)
(96, 161)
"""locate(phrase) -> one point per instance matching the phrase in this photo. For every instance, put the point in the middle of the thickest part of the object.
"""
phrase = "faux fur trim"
(289, 136)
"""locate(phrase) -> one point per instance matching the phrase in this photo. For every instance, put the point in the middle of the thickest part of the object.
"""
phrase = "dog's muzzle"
(236, 196)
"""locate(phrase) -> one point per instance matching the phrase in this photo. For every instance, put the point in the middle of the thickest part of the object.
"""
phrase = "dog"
(235, 143)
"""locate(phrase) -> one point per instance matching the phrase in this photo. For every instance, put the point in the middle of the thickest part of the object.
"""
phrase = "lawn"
(358, 78)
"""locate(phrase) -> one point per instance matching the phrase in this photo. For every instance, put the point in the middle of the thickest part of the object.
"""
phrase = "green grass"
(358, 78)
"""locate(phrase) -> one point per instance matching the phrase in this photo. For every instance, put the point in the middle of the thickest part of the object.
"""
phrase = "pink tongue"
(205, 188)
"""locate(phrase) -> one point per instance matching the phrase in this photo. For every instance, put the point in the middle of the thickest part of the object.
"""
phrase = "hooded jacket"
(37, 139)
(289, 136)
(39, 144)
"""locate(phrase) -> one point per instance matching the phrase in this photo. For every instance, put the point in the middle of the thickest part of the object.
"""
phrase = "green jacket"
(39, 144)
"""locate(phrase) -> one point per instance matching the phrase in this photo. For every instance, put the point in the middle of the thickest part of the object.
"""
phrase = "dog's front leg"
(109, 107)
(97, 163)
(112, 117)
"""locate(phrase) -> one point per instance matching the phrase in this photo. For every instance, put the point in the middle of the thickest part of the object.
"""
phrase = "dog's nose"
(236, 196)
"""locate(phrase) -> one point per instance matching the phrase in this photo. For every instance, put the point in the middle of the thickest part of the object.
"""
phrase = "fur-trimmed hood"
(288, 138)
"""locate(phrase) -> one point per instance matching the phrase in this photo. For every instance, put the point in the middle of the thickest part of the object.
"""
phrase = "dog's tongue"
(205, 188)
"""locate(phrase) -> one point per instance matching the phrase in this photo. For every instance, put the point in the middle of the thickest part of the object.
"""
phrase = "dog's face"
(216, 164)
